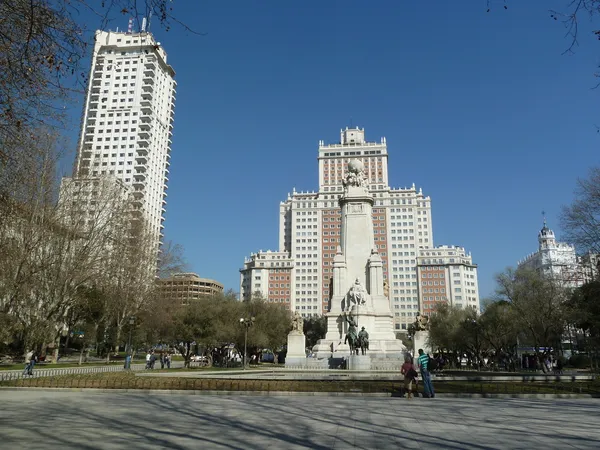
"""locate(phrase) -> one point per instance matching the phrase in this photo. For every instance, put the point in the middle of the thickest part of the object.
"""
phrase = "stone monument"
(421, 336)
(358, 285)
(296, 342)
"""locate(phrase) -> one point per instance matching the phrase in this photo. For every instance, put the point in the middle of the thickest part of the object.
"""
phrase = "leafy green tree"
(499, 329)
(315, 328)
(271, 325)
(447, 331)
(583, 313)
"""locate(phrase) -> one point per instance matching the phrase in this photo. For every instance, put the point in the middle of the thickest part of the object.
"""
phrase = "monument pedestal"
(296, 353)
(359, 362)
(420, 341)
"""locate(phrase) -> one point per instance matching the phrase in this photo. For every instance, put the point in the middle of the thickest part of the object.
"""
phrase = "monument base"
(296, 349)
(359, 362)
(420, 340)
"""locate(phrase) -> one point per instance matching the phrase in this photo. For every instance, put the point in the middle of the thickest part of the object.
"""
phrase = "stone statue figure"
(297, 322)
(355, 175)
(351, 337)
(363, 340)
(357, 293)
(421, 322)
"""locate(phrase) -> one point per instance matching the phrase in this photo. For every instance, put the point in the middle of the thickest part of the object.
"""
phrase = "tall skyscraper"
(310, 226)
(127, 122)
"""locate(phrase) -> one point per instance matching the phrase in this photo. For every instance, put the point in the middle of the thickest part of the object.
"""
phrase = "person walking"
(152, 360)
(424, 366)
(29, 363)
(410, 375)
(168, 360)
(148, 355)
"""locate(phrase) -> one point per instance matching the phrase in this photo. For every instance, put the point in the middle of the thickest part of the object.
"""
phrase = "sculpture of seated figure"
(357, 293)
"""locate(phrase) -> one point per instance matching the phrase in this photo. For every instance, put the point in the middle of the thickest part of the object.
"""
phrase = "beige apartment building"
(182, 288)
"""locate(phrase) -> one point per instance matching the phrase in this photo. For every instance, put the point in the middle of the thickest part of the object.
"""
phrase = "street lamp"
(131, 324)
(246, 323)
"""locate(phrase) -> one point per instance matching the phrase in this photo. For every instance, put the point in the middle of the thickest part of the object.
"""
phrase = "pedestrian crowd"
(164, 358)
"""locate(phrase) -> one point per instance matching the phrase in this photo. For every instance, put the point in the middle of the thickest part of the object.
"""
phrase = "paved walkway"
(115, 420)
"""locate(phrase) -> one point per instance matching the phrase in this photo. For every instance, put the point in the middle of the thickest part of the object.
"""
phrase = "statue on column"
(297, 323)
(355, 176)
(421, 322)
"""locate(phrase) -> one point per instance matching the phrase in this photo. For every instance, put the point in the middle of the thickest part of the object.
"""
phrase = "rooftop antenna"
(130, 26)
(143, 24)
(149, 19)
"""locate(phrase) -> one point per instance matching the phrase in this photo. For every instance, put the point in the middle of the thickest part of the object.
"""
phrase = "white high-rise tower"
(127, 122)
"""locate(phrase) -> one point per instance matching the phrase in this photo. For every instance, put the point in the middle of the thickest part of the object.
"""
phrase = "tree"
(42, 46)
(129, 275)
(572, 16)
(214, 321)
(271, 326)
(171, 259)
(499, 331)
(581, 220)
(47, 249)
(447, 331)
(314, 329)
(539, 305)
(583, 313)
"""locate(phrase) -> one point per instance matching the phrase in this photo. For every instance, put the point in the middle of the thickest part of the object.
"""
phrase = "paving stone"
(113, 420)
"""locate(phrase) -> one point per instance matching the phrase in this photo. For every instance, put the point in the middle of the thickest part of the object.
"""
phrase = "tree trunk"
(118, 340)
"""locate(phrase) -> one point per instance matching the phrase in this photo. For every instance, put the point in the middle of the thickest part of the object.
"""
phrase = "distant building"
(269, 275)
(127, 123)
(560, 261)
(182, 288)
(447, 275)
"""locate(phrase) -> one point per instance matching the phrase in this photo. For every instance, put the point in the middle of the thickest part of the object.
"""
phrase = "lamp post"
(247, 323)
(131, 324)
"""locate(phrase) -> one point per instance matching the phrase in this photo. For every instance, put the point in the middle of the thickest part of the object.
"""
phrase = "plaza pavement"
(45, 419)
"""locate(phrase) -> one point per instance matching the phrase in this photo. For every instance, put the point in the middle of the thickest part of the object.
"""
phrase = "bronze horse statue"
(351, 336)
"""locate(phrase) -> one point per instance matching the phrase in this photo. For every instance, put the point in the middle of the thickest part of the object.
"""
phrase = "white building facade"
(559, 260)
(127, 122)
(310, 226)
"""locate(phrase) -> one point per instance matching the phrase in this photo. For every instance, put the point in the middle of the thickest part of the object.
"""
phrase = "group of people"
(411, 375)
(164, 358)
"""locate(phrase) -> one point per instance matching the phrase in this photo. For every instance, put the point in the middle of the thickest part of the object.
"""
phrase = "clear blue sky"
(479, 109)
